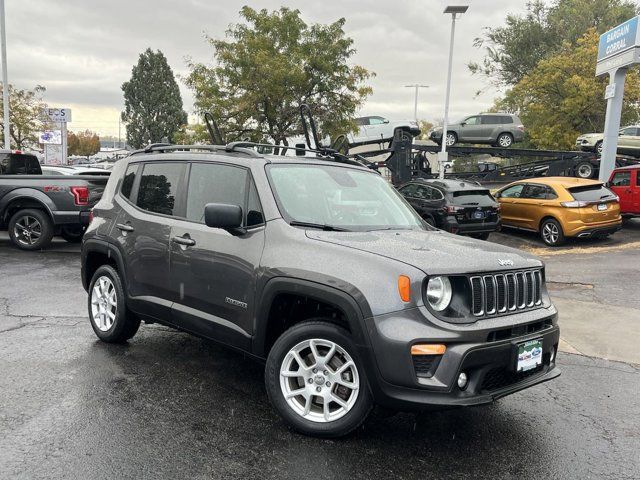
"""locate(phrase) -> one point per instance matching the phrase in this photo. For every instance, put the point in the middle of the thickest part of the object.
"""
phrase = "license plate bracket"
(528, 355)
(479, 215)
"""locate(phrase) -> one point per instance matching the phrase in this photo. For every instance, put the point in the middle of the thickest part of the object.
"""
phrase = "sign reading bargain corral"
(619, 39)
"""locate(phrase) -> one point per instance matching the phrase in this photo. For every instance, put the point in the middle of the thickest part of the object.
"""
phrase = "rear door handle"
(186, 241)
(124, 227)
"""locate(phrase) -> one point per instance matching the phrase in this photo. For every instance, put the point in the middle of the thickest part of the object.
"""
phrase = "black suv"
(456, 206)
(323, 270)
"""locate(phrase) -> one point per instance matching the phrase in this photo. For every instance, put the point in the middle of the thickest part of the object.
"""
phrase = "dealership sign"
(619, 47)
(51, 137)
(59, 115)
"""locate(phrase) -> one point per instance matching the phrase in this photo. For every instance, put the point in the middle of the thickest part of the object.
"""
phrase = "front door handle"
(185, 241)
(124, 227)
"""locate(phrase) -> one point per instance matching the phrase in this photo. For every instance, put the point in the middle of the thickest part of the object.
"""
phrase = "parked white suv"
(375, 129)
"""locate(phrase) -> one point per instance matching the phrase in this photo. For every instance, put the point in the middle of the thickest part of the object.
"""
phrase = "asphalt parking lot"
(169, 405)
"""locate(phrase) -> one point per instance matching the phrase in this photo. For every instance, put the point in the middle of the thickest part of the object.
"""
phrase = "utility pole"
(415, 105)
(5, 78)
(454, 10)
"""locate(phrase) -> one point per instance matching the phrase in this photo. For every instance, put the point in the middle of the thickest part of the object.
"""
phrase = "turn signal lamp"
(428, 349)
(404, 288)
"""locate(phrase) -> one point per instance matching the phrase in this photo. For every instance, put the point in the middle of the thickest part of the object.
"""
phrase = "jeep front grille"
(505, 292)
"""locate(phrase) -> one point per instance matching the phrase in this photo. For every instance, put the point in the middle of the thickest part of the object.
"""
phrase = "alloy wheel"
(451, 139)
(505, 141)
(550, 233)
(27, 230)
(319, 380)
(104, 303)
(585, 171)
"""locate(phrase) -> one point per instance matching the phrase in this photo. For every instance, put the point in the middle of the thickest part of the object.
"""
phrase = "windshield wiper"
(319, 226)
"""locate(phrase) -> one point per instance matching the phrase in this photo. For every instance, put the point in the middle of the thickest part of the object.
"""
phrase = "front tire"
(551, 232)
(584, 170)
(110, 319)
(30, 229)
(316, 381)
(451, 139)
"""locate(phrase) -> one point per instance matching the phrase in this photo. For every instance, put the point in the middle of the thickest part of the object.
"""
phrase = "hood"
(433, 252)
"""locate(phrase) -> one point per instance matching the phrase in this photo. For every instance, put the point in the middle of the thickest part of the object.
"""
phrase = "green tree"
(269, 65)
(513, 50)
(85, 143)
(152, 102)
(26, 119)
(561, 98)
(425, 128)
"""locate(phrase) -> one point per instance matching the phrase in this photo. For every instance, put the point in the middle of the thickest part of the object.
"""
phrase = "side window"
(4, 165)
(490, 120)
(506, 119)
(158, 187)
(628, 131)
(410, 190)
(362, 121)
(538, 192)
(127, 181)
(254, 210)
(512, 192)
(472, 121)
(376, 120)
(638, 178)
(436, 194)
(621, 179)
(551, 194)
(214, 183)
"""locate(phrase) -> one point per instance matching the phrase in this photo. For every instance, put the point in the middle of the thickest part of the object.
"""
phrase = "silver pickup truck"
(34, 207)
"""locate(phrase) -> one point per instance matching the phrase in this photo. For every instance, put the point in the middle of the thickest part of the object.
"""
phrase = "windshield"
(592, 193)
(345, 198)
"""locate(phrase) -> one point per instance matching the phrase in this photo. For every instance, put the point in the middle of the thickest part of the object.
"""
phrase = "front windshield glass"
(333, 196)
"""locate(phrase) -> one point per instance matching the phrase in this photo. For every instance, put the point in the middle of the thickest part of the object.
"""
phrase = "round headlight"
(439, 293)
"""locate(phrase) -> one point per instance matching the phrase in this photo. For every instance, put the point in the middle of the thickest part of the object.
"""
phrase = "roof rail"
(324, 154)
(165, 147)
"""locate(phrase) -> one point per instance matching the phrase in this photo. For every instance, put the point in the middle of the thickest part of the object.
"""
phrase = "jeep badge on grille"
(505, 263)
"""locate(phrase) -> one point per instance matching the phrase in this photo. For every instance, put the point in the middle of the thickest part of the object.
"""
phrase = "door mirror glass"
(223, 215)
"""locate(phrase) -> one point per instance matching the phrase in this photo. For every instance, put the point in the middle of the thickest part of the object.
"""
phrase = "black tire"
(504, 140)
(125, 323)
(454, 135)
(430, 221)
(72, 234)
(598, 148)
(553, 237)
(584, 170)
(323, 330)
(25, 224)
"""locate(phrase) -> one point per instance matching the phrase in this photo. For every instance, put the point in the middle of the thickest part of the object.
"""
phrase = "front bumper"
(472, 348)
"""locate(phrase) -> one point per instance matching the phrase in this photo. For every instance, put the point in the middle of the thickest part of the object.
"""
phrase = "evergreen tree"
(152, 101)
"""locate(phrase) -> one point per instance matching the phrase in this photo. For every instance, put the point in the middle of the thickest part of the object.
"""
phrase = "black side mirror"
(223, 215)
(607, 184)
(462, 124)
(386, 120)
(497, 195)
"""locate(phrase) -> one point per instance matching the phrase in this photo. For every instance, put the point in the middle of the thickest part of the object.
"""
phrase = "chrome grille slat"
(494, 294)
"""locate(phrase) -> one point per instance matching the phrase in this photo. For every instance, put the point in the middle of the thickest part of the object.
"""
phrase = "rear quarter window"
(127, 181)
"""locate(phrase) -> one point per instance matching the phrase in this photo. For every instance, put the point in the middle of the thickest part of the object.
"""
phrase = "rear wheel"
(551, 232)
(112, 322)
(505, 140)
(316, 381)
(584, 170)
(30, 229)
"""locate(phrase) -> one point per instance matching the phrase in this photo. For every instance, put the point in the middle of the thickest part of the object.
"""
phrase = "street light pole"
(5, 78)
(443, 156)
(415, 105)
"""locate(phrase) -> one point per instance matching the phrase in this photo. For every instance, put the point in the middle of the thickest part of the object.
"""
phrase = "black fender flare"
(105, 248)
(355, 312)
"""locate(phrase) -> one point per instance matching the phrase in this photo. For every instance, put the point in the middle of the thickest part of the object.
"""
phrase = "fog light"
(462, 381)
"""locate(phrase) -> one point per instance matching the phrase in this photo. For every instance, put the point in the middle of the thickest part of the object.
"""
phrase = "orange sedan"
(560, 207)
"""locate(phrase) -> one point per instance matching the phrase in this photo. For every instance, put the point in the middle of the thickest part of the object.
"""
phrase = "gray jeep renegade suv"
(321, 269)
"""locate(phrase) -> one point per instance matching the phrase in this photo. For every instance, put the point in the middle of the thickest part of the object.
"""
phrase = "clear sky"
(82, 51)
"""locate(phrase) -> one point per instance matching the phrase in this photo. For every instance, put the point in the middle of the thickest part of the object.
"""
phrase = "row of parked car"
(556, 208)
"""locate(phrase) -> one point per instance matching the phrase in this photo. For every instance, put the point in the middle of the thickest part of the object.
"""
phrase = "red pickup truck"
(625, 182)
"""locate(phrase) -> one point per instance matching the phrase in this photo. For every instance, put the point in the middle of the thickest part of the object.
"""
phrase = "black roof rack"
(166, 147)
